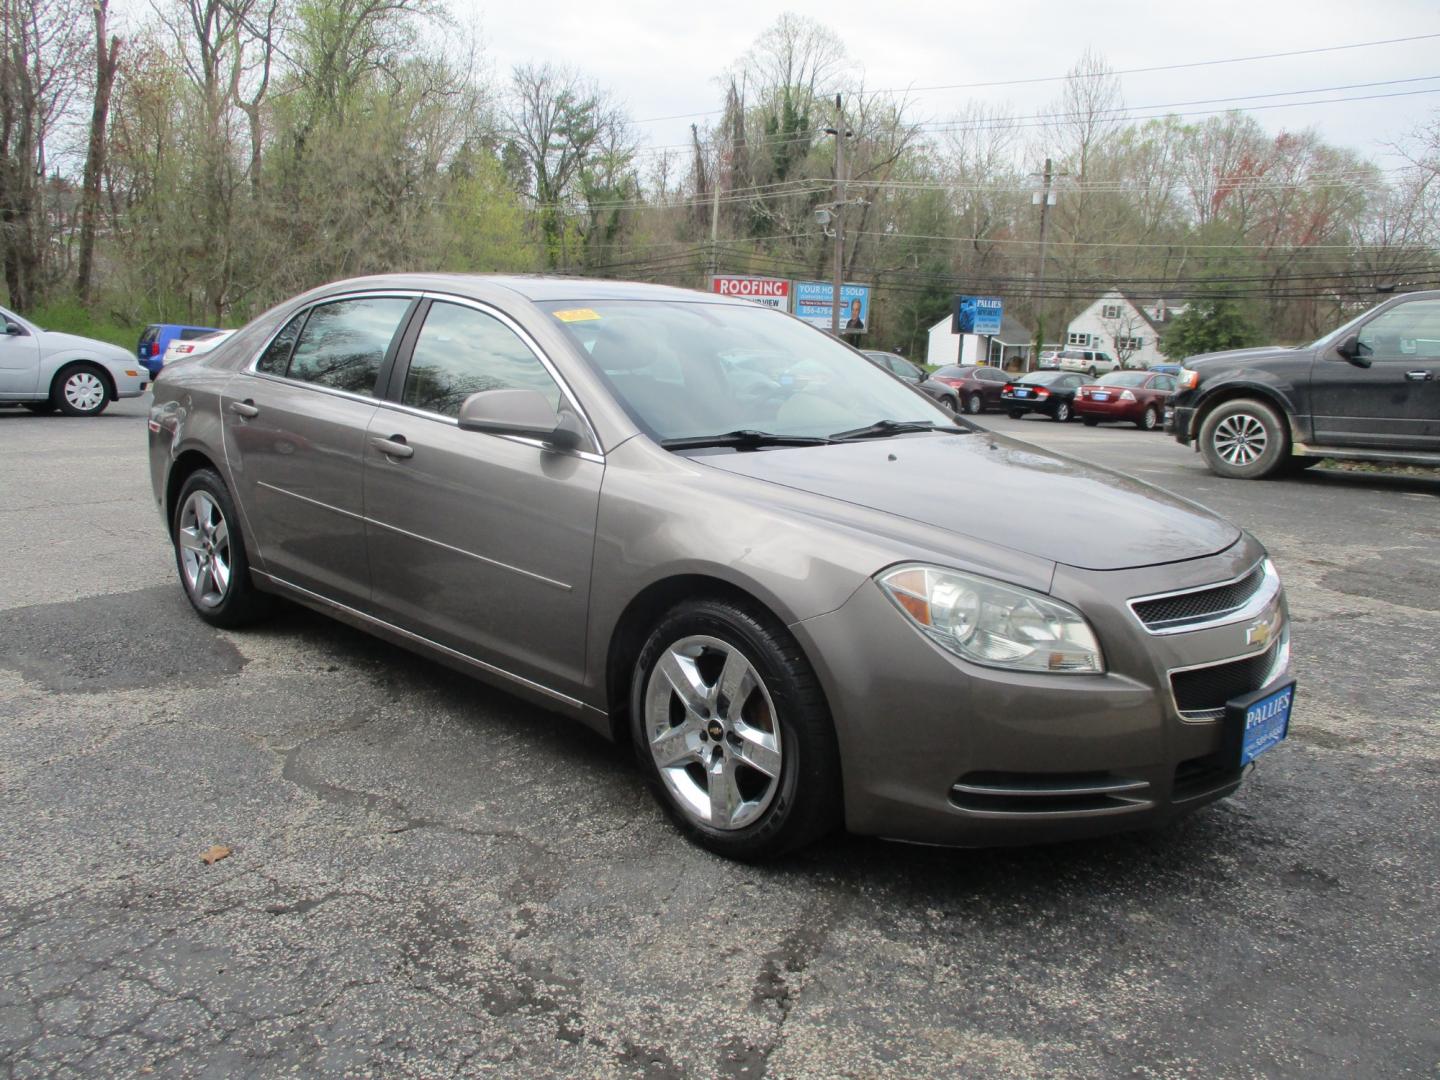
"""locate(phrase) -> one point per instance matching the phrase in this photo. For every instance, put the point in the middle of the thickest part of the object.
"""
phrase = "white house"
(1009, 348)
(1124, 327)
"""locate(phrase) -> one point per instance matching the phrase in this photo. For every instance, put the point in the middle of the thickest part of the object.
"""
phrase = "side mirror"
(13, 329)
(1350, 348)
(526, 413)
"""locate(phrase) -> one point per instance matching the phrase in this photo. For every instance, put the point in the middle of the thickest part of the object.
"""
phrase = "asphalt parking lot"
(430, 878)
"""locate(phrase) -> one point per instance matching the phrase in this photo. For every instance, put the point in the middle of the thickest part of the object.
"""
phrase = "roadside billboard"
(813, 300)
(771, 292)
(977, 315)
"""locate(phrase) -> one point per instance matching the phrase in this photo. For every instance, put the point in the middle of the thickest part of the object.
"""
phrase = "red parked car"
(979, 386)
(1136, 396)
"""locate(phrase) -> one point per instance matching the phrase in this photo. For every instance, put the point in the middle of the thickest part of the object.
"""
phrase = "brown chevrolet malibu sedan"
(701, 525)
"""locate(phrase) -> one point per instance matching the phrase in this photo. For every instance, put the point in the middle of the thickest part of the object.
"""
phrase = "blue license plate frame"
(1261, 720)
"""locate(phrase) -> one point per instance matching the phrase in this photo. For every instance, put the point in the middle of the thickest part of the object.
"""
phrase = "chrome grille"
(1178, 611)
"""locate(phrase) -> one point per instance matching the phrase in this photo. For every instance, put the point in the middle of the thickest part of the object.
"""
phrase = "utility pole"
(1046, 199)
(840, 136)
(715, 220)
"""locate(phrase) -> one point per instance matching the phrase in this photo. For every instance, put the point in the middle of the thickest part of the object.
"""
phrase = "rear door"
(992, 384)
(1395, 402)
(295, 429)
(480, 542)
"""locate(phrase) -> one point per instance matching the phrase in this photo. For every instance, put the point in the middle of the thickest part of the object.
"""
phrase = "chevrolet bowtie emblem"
(1259, 634)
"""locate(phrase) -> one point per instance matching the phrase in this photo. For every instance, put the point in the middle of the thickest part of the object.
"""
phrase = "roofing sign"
(772, 292)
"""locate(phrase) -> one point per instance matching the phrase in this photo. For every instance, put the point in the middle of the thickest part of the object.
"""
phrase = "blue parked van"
(157, 338)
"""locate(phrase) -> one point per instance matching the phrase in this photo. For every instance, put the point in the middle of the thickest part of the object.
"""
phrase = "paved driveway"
(430, 878)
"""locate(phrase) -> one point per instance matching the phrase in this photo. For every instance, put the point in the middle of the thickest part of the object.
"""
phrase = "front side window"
(461, 351)
(276, 357)
(344, 343)
(1410, 331)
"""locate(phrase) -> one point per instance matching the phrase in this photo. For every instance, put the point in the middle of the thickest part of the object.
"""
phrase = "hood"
(999, 491)
(55, 341)
(1236, 357)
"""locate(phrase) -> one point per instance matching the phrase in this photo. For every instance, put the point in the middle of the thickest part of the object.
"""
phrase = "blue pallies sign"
(977, 315)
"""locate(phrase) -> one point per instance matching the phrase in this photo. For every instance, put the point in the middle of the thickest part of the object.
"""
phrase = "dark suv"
(1368, 391)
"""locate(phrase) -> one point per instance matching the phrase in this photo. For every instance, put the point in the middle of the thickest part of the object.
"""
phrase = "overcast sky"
(662, 57)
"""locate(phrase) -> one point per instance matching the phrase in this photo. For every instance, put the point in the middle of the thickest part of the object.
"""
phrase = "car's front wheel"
(80, 390)
(975, 404)
(1244, 439)
(210, 554)
(732, 731)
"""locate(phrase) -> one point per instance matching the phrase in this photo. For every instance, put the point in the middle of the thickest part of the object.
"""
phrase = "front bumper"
(1180, 421)
(128, 385)
(937, 750)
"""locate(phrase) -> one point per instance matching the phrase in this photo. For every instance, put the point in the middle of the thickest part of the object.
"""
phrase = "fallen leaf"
(213, 854)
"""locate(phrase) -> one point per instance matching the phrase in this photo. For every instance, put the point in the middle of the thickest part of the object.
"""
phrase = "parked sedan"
(183, 348)
(1138, 397)
(559, 487)
(1049, 392)
(978, 385)
(904, 370)
(45, 370)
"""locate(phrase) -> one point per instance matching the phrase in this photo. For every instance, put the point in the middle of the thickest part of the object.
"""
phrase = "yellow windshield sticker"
(581, 314)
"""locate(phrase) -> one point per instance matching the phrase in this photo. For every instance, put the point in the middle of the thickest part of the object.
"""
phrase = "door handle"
(393, 447)
(1419, 376)
(244, 408)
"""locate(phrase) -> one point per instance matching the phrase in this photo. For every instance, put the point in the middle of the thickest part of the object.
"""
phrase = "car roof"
(535, 288)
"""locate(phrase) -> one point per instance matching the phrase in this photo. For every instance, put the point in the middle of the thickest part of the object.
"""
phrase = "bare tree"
(107, 60)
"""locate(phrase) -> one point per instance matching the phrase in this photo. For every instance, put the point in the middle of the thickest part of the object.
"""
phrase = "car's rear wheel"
(732, 731)
(1061, 413)
(40, 408)
(1244, 439)
(1016, 414)
(80, 390)
(210, 554)
(1149, 420)
(974, 404)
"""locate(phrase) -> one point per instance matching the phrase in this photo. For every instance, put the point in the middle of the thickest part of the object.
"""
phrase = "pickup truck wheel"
(1245, 439)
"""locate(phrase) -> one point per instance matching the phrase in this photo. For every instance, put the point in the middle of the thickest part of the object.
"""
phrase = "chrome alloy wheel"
(204, 538)
(712, 731)
(1240, 439)
(84, 391)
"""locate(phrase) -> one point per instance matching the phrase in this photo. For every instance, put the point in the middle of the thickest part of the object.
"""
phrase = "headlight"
(1188, 379)
(993, 624)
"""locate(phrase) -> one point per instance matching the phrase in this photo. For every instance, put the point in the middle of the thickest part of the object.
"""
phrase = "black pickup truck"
(1368, 391)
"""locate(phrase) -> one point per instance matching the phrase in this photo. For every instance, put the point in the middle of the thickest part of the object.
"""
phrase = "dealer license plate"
(1101, 397)
(1022, 393)
(1265, 720)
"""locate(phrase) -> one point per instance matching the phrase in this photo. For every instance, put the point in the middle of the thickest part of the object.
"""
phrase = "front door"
(1395, 402)
(479, 542)
(295, 431)
(19, 360)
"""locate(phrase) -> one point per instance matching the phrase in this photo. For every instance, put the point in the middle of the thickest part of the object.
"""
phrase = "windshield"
(1339, 332)
(1124, 378)
(685, 370)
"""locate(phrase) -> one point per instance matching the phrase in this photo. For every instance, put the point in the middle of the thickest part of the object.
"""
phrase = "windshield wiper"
(884, 428)
(744, 439)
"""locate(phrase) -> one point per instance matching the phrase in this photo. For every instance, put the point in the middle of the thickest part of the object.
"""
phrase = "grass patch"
(70, 317)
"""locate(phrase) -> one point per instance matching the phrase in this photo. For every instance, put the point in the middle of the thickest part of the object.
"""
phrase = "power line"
(1062, 78)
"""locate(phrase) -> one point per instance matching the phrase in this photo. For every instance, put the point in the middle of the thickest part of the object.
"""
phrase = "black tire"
(975, 404)
(239, 602)
(1016, 414)
(952, 405)
(1149, 420)
(1090, 421)
(81, 389)
(1061, 415)
(1092, 371)
(1263, 450)
(804, 801)
(40, 408)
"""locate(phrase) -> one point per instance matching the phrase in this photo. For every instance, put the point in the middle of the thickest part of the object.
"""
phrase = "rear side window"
(1163, 382)
(461, 351)
(344, 343)
(991, 375)
(150, 334)
(276, 356)
(190, 333)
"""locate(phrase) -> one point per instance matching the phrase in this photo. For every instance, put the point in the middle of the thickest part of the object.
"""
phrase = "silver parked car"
(703, 526)
(45, 370)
